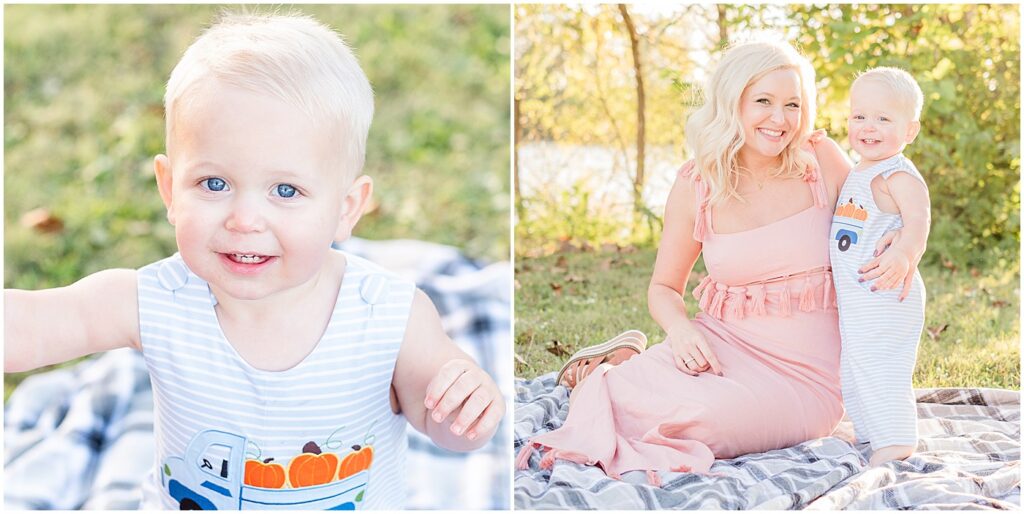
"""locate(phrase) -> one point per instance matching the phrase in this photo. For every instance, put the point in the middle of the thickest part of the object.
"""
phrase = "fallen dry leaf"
(42, 220)
(557, 288)
(556, 348)
(934, 332)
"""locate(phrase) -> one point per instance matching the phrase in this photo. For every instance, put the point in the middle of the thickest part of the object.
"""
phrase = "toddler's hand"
(461, 385)
(892, 267)
(691, 352)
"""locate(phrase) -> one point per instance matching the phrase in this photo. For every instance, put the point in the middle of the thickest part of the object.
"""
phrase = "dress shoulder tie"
(700, 222)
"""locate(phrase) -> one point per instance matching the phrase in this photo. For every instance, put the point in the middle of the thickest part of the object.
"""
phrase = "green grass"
(569, 300)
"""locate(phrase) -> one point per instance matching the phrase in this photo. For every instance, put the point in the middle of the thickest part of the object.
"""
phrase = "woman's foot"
(888, 453)
(614, 351)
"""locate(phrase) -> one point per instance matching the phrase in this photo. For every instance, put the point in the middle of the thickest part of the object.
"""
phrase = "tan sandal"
(616, 350)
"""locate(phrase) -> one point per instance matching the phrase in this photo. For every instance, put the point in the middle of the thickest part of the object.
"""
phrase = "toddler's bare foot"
(888, 453)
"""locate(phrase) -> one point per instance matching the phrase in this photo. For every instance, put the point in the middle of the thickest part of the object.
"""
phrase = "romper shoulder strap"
(900, 163)
(689, 170)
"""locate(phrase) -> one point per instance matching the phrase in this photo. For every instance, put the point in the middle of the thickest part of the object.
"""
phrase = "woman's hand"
(691, 352)
(890, 266)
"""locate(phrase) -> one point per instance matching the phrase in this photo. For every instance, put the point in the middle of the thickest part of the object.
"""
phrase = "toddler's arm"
(97, 313)
(895, 266)
(439, 388)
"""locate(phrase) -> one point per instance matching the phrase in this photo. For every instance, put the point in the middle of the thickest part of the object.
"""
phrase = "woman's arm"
(677, 253)
(834, 163)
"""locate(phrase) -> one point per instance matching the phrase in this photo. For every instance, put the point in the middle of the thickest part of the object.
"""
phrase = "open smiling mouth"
(772, 133)
(247, 258)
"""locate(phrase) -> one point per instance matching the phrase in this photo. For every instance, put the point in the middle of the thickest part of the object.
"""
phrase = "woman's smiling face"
(770, 114)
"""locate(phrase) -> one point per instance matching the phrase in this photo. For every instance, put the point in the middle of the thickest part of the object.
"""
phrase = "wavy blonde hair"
(714, 132)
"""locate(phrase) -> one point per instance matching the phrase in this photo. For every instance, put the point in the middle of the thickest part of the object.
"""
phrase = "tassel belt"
(719, 300)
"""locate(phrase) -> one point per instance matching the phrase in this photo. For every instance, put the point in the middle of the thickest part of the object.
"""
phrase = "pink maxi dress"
(777, 342)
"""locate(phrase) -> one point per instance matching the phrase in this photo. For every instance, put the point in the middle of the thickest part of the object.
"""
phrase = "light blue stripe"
(341, 387)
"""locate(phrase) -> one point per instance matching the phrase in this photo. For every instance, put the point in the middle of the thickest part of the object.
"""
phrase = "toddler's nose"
(245, 216)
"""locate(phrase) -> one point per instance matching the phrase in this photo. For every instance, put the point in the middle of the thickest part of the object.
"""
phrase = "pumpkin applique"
(312, 467)
(264, 474)
(359, 459)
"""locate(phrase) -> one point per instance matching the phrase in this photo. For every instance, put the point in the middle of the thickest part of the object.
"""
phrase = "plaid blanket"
(968, 457)
(82, 437)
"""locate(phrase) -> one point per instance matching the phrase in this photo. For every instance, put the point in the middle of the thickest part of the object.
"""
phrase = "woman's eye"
(794, 105)
(214, 184)
(883, 118)
(763, 101)
(285, 191)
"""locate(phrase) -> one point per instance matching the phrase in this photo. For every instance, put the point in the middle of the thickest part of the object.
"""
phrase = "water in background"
(547, 169)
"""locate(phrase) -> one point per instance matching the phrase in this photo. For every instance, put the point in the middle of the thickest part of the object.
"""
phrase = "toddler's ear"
(912, 130)
(357, 198)
(162, 167)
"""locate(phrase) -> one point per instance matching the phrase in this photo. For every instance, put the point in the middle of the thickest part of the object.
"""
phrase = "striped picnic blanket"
(968, 458)
(82, 437)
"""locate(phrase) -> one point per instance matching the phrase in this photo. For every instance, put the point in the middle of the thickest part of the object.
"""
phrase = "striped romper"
(879, 333)
(319, 435)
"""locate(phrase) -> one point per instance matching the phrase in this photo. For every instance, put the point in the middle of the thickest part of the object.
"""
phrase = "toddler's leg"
(888, 453)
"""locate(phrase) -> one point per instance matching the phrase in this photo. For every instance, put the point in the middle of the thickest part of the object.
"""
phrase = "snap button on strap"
(173, 275)
(374, 289)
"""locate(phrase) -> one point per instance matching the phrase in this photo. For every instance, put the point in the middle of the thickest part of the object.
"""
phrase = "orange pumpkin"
(358, 460)
(264, 474)
(312, 467)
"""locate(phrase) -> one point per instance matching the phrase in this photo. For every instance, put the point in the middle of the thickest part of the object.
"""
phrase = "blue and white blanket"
(968, 458)
(82, 437)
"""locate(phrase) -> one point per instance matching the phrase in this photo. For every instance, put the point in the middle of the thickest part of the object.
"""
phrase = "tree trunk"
(723, 28)
(634, 42)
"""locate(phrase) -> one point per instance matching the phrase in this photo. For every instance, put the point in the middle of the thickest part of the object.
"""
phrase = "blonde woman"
(758, 368)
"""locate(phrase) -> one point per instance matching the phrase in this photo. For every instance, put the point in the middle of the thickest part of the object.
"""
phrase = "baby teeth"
(248, 259)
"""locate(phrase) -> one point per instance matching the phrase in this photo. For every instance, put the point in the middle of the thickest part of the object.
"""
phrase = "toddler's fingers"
(488, 421)
(444, 379)
(471, 409)
(455, 395)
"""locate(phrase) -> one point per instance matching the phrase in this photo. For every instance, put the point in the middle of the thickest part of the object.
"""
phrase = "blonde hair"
(900, 83)
(714, 132)
(291, 57)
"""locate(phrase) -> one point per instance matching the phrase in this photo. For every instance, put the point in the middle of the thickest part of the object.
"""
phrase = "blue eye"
(214, 184)
(285, 191)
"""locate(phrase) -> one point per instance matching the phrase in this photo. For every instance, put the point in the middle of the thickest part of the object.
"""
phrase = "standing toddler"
(880, 328)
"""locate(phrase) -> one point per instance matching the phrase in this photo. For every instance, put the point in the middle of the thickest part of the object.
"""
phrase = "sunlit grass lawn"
(570, 300)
